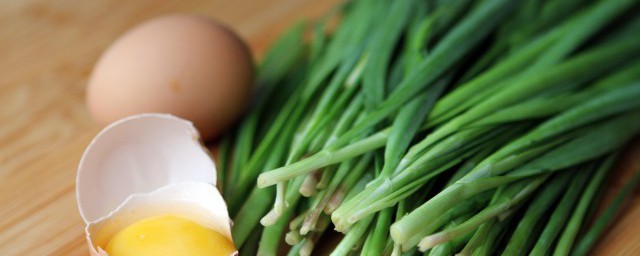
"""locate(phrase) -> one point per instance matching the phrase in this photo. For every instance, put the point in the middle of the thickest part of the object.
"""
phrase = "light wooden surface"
(47, 49)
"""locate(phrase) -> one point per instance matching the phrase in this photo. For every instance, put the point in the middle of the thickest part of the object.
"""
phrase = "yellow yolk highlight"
(168, 235)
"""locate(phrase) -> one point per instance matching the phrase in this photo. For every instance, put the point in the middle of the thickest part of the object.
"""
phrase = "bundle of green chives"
(437, 127)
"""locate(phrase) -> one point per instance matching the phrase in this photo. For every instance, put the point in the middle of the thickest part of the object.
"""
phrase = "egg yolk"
(168, 235)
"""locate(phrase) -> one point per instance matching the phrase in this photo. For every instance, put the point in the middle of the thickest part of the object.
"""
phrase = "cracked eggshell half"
(142, 166)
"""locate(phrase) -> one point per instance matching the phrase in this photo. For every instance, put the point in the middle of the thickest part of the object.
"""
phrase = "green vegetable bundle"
(437, 127)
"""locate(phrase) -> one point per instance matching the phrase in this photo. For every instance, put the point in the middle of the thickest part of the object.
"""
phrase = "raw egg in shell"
(186, 65)
(146, 186)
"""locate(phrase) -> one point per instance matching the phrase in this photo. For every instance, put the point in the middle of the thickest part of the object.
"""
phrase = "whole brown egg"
(186, 65)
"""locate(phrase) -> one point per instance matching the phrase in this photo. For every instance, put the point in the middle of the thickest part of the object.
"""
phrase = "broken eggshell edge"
(197, 201)
(147, 157)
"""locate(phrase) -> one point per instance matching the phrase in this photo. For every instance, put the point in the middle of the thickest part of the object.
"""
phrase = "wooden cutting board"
(47, 50)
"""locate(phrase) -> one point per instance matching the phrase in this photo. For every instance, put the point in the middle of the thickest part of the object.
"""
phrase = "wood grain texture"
(47, 50)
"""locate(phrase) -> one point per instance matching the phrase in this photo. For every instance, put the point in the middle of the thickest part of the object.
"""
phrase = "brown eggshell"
(185, 65)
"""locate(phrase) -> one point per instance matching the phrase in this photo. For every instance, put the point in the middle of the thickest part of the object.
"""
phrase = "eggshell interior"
(138, 155)
(197, 201)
